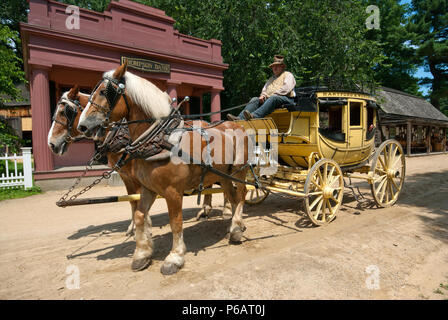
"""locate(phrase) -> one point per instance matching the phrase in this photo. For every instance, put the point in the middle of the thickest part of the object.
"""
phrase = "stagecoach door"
(355, 123)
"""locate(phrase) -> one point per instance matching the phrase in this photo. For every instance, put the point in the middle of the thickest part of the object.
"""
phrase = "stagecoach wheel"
(388, 172)
(324, 189)
(256, 196)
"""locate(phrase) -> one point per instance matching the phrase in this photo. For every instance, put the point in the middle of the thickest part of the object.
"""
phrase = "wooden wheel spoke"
(394, 152)
(382, 189)
(395, 184)
(336, 179)
(380, 178)
(382, 163)
(330, 177)
(320, 175)
(380, 185)
(315, 202)
(335, 200)
(387, 191)
(316, 184)
(330, 208)
(325, 172)
(386, 155)
(318, 209)
(396, 161)
(392, 194)
(324, 206)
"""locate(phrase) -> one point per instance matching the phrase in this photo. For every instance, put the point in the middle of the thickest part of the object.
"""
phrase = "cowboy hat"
(278, 60)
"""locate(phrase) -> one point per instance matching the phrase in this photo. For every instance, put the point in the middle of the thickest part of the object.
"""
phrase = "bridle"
(114, 89)
(71, 109)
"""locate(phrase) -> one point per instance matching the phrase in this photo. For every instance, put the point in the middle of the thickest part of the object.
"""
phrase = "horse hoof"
(202, 217)
(227, 212)
(140, 264)
(236, 235)
(129, 233)
(169, 268)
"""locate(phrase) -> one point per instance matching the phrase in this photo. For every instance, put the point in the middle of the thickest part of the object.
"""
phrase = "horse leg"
(236, 198)
(130, 230)
(206, 208)
(175, 260)
(143, 238)
(131, 188)
(227, 206)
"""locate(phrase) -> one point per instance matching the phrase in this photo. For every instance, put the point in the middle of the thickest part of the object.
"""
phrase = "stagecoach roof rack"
(338, 84)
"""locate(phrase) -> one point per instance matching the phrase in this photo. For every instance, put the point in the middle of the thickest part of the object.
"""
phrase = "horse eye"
(103, 92)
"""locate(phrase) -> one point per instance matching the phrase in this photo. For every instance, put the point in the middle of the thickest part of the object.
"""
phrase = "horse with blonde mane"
(63, 132)
(121, 94)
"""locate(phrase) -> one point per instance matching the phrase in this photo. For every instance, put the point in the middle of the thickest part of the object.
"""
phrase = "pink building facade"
(59, 53)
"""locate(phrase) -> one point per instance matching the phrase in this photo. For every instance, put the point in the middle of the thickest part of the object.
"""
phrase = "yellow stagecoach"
(323, 137)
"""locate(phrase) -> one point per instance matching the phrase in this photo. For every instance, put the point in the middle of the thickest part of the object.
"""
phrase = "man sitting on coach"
(277, 91)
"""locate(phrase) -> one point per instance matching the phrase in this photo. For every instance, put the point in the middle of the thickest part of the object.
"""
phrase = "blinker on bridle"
(70, 113)
(114, 89)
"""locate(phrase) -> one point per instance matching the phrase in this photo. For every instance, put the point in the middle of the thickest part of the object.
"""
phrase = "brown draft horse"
(142, 100)
(63, 132)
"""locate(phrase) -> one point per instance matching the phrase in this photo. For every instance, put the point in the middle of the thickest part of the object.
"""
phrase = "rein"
(154, 140)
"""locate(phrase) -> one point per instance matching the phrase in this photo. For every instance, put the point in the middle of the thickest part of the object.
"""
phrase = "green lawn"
(19, 192)
(10, 167)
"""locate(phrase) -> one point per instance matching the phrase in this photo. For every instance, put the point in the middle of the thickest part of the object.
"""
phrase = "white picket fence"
(13, 177)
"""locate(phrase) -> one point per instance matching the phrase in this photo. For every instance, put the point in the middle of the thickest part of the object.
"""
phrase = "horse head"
(121, 94)
(63, 130)
(106, 104)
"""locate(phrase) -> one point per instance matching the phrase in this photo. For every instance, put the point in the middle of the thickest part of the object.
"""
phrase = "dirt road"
(366, 253)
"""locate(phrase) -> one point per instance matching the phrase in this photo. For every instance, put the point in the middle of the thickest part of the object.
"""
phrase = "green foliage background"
(318, 38)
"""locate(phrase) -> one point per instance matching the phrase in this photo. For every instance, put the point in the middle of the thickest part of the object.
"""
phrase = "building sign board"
(147, 65)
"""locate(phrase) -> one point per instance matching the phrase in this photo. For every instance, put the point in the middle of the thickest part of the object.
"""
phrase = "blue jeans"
(269, 105)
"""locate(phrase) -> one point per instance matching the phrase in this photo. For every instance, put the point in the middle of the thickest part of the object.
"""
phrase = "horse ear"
(119, 72)
(73, 93)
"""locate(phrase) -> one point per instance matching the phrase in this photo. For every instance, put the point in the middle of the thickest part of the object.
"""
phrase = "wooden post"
(27, 168)
(444, 140)
(408, 138)
(428, 140)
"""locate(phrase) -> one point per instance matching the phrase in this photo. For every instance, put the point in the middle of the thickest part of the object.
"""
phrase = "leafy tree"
(323, 39)
(399, 66)
(429, 26)
(9, 141)
(95, 5)
(12, 12)
(10, 65)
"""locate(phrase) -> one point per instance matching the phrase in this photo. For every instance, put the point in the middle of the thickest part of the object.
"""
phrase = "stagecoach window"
(330, 118)
(370, 116)
(355, 113)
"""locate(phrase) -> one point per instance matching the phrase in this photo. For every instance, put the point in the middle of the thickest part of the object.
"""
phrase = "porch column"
(428, 140)
(201, 106)
(216, 105)
(444, 140)
(172, 91)
(41, 119)
(408, 138)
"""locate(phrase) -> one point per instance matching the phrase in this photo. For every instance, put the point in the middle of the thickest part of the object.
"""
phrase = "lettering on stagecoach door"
(147, 65)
